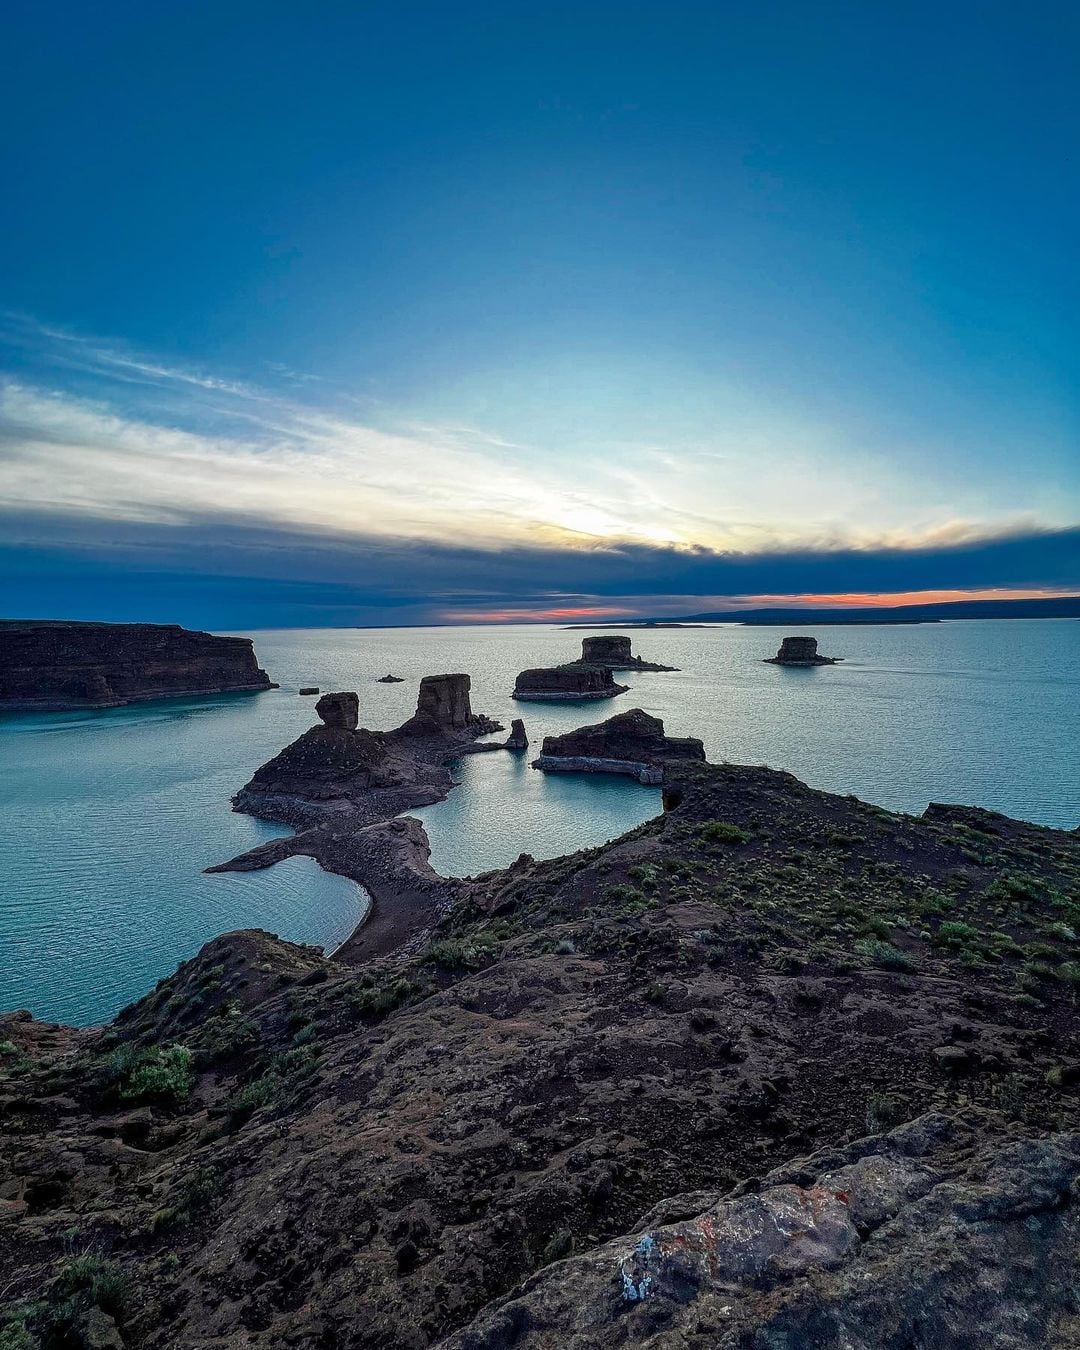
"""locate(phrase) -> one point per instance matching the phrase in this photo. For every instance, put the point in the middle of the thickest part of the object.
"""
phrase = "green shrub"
(724, 832)
(955, 933)
(883, 954)
(163, 1073)
(103, 1284)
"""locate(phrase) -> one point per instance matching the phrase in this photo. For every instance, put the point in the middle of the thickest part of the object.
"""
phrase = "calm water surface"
(108, 818)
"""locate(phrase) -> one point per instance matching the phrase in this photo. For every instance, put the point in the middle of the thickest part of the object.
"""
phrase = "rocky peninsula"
(52, 665)
(775, 1068)
(800, 651)
(630, 743)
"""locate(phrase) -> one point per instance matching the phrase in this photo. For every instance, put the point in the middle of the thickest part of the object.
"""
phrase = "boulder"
(340, 711)
(800, 651)
(630, 743)
(567, 683)
(309, 689)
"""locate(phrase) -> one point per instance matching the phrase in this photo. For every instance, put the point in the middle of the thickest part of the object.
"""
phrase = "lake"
(108, 818)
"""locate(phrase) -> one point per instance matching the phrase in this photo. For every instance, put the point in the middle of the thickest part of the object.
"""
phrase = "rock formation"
(49, 665)
(775, 1069)
(390, 679)
(517, 740)
(309, 689)
(341, 711)
(445, 698)
(567, 683)
(614, 650)
(341, 771)
(630, 743)
(800, 651)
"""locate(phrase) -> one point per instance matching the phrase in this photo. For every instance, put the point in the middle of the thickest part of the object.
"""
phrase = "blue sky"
(621, 306)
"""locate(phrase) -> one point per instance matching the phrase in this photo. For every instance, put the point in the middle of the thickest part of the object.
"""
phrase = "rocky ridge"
(777, 1068)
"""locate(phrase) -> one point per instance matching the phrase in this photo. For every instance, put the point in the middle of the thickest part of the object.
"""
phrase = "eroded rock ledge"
(631, 743)
(50, 665)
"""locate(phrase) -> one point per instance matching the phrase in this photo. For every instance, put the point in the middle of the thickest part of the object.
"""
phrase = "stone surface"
(630, 743)
(800, 651)
(55, 665)
(445, 698)
(340, 711)
(567, 683)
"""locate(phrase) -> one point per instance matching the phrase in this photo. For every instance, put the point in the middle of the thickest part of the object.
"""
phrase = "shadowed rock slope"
(776, 1069)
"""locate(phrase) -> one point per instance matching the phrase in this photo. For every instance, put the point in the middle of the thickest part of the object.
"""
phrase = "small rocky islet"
(589, 677)
(775, 1068)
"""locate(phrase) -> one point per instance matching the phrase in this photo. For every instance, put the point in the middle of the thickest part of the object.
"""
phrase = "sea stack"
(517, 740)
(55, 665)
(567, 683)
(800, 651)
(340, 711)
(630, 743)
(614, 650)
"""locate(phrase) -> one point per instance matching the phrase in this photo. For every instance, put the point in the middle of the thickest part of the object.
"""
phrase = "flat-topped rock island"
(52, 665)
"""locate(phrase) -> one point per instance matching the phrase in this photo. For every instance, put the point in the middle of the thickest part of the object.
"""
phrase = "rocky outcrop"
(630, 743)
(613, 650)
(309, 689)
(800, 651)
(390, 679)
(517, 740)
(775, 1069)
(909, 1238)
(55, 665)
(568, 683)
(341, 711)
(340, 771)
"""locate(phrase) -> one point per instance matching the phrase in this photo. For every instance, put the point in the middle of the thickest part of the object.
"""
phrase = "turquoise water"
(107, 819)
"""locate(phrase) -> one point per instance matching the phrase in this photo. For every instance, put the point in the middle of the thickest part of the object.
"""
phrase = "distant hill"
(1057, 607)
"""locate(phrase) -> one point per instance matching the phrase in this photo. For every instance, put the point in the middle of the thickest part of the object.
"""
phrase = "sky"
(425, 313)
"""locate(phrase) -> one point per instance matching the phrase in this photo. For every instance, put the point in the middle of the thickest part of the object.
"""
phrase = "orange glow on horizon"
(689, 604)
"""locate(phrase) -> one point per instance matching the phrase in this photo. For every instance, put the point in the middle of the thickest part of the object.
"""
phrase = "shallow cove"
(108, 818)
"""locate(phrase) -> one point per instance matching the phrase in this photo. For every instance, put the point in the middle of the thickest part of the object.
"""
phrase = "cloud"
(250, 500)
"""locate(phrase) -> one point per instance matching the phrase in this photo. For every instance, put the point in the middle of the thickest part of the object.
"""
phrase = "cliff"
(776, 1068)
(56, 665)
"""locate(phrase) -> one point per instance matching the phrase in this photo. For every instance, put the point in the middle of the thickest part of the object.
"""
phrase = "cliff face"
(56, 665)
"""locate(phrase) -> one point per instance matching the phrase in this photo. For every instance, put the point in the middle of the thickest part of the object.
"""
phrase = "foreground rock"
(800, 651)
(630, 743)
(567, 684)
(615, 651)
(55, 665)
(906, 1239)
(793, 1070)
